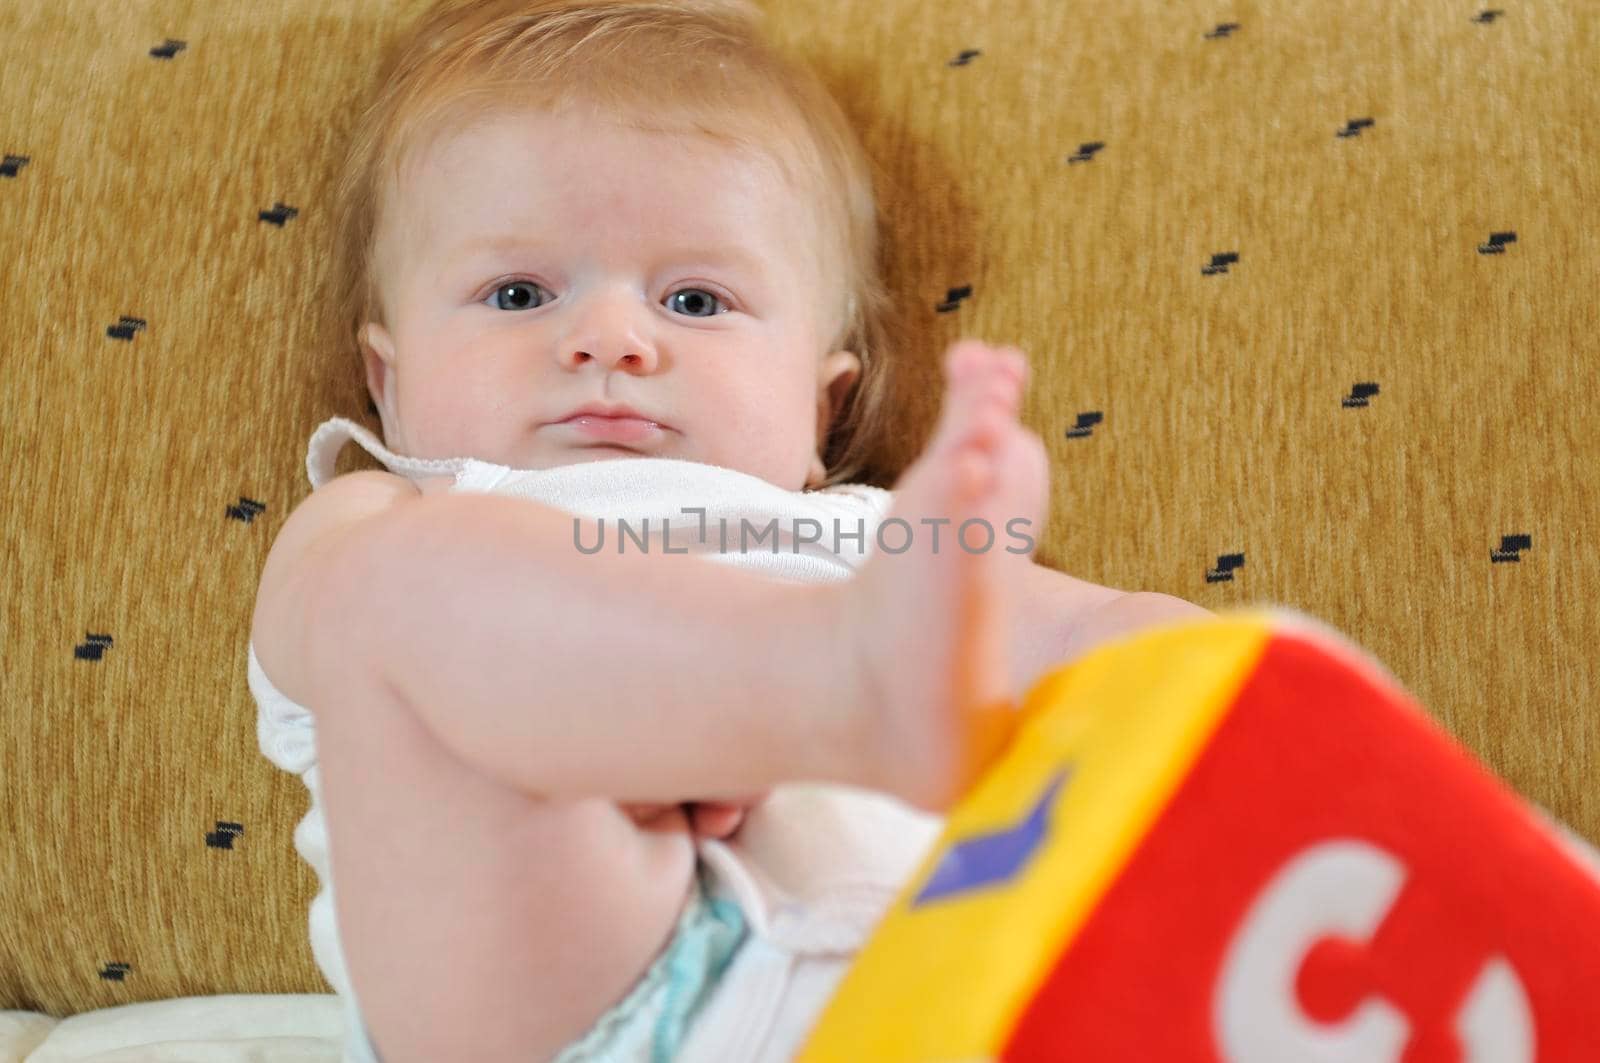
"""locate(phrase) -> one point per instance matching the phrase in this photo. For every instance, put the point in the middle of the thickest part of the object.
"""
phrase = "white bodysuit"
(813, 867)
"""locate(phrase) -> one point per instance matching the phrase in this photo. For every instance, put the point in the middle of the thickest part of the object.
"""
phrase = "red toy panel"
(1280, 910)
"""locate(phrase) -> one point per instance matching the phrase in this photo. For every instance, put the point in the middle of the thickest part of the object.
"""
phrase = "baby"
(624, 234)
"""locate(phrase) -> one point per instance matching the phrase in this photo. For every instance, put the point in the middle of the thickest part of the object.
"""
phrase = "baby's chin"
(598, 452)
(555, 458)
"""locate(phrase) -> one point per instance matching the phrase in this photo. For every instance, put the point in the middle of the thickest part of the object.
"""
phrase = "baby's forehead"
(424, 201)
(453, 133)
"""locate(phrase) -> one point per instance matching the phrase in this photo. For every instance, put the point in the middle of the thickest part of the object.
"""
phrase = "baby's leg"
(673, 677)
(479, 922)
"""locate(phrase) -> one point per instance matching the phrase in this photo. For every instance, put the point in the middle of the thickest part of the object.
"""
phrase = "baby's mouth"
(622, 430)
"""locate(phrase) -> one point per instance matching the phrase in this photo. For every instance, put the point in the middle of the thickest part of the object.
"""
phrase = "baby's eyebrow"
(733, 256)
(461, 254)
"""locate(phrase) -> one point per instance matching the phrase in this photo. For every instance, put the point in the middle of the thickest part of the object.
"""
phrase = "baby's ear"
(839, 373)
(377, 354)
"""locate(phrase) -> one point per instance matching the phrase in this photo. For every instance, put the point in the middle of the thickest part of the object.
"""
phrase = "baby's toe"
(962, 357)
(986, 383)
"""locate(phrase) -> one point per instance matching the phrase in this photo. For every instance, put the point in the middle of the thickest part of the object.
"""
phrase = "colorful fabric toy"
(1233, 840)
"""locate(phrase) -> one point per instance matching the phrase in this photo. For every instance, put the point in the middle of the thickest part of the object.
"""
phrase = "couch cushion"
(1308, 298)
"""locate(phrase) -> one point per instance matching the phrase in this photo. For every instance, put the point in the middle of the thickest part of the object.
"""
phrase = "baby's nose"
(627, 357)
(611, 325)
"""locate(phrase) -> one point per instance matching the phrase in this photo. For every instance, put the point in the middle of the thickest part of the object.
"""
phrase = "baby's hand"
(708, 819)
(721, 819)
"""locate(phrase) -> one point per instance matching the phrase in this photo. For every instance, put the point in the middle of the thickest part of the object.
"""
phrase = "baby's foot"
(931, 623)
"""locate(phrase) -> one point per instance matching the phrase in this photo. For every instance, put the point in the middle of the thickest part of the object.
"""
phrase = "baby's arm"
(1061, 618)
(637, 677)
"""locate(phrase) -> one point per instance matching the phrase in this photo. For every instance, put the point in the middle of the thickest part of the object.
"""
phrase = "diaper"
(651, 1022)
(653, 1019)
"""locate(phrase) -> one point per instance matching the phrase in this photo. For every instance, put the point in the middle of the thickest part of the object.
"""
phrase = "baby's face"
(536, 263)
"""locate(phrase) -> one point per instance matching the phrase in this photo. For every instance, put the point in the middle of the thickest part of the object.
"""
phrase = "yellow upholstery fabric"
(1309, 292)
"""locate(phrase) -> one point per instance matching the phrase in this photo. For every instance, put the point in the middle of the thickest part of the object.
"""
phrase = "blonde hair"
(695, 67)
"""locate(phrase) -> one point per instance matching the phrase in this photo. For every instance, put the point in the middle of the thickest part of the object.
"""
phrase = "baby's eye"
(699, 299)
(516, 302)
(700, 302)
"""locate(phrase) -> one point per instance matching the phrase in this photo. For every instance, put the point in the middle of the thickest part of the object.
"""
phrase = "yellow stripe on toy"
(1027, 854)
